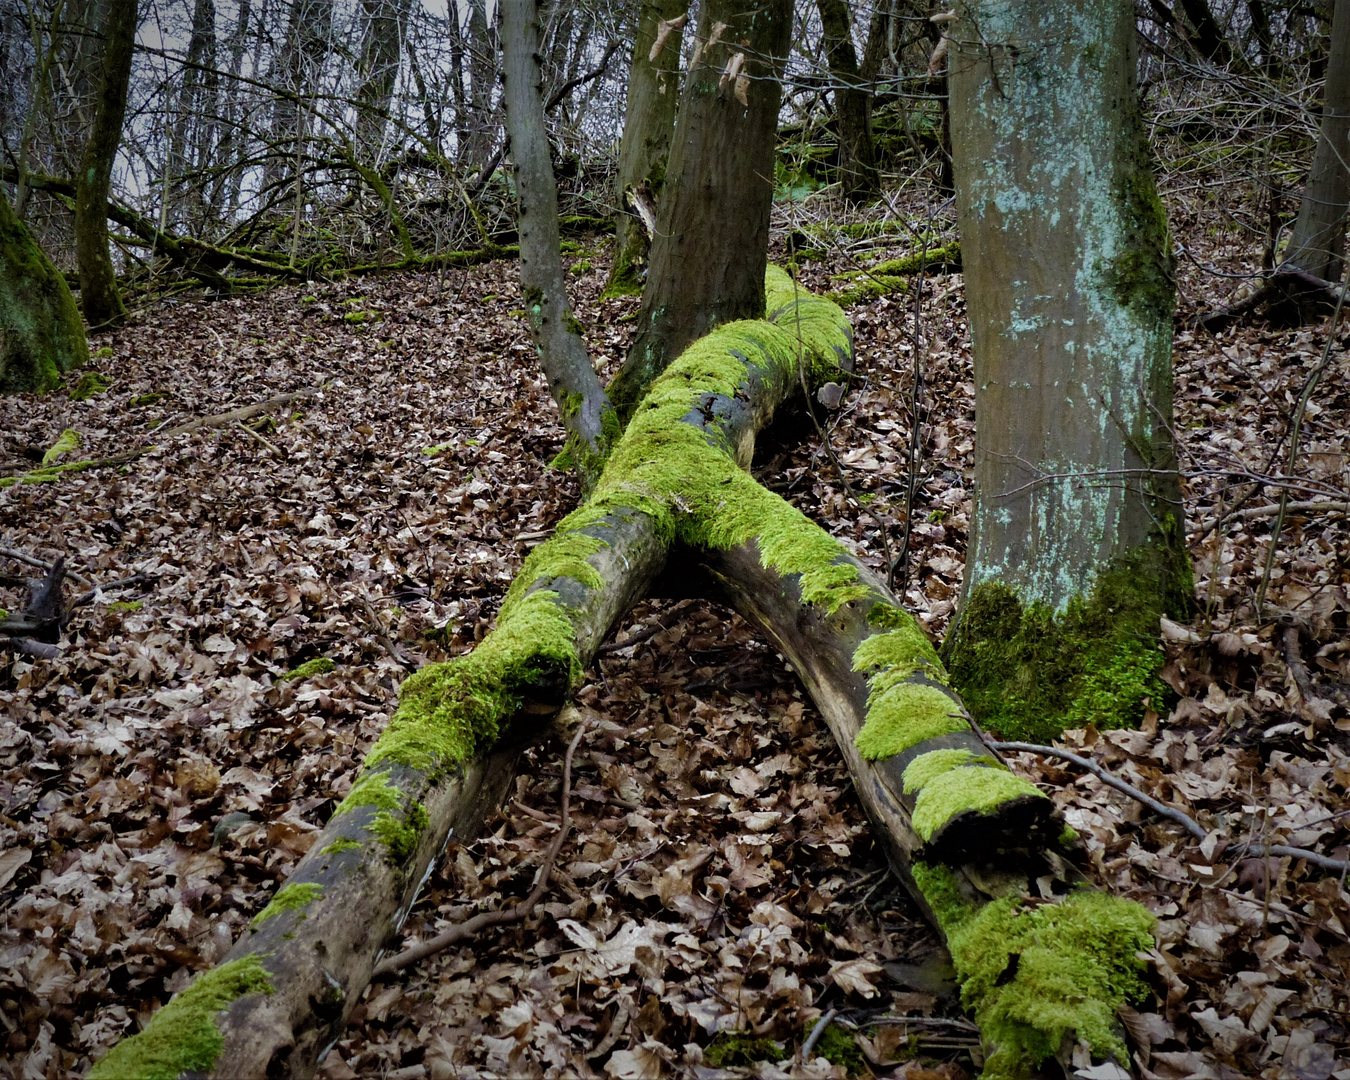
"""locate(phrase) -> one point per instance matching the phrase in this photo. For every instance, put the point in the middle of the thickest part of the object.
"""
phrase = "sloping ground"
(720, 875)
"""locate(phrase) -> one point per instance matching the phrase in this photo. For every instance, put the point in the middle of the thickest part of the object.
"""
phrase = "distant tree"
(382, 36)
(648, 126)
(295, 71)
(709, 253)
(1317, 245)
(41, 334)
(1077, 542)
(99, 298)
(852, 104)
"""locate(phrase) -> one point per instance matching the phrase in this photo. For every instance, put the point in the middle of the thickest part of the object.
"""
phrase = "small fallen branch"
(237, 415)
(501, 917)
(1256, 851)
(40, 564)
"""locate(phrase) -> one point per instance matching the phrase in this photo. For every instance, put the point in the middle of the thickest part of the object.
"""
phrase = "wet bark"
(572, 381)
(1318, 243)
(41, 334)
(852, 104)
(648, 127)
(721, 171)
(99, 298)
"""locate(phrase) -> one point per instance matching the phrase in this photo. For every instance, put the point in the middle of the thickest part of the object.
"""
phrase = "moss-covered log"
(678, 476)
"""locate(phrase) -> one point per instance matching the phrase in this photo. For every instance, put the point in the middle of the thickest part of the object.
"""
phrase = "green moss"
(1033, 972)
(439, 448)
(125, 605)
(146, 399)
(944, 258)
(582, 266)
(625, 278)
(926, 767)
(839, 1047)
(320, 665)
(892, 276)
(90, 384)
(1142, 274)
(1027, 672)
(68, 443)
(355, 318)
(973, 787)
(104, 353)
(732, 1049)
(374, 788)
(902, 650)
(903, 714)
(572, 323)
(401, 836)
(288, 898)
(1068, 836)
(183, 1037)
(341, 844)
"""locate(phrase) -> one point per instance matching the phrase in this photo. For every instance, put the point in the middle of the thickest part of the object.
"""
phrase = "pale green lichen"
(68, 443)
(288, 898)
(978, 789)
(320, 665)
(183, 1037)
(1033, 971)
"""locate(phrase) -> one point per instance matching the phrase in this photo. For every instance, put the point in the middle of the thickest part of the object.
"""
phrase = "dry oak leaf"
(852, 976)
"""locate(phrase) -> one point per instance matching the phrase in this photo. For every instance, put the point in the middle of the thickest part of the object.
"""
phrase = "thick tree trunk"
(852, 104)
(1318, 243)
(1076, 545)
(648, 126)
(724, 156)
(1036, 971)
(99, 298)
(572, 381)
(41, 334)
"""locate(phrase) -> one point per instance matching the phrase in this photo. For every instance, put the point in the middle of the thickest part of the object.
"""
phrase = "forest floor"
(159, 778)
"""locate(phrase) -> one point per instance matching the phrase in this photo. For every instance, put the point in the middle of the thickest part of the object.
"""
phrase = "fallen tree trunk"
(1041, 973)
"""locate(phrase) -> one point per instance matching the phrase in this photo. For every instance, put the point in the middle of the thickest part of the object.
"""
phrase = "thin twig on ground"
(482, 921)
(40, 564)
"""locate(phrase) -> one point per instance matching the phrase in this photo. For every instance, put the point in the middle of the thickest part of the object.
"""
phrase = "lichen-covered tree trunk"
(99, 298)
(586, 411)
(1076, 544)
(1318, 243)
(721, 171)
(41, 334)
(648, 126)
(852, 104)
(968, 837)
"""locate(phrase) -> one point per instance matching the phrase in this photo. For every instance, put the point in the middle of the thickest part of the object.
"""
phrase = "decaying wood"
(236, 415)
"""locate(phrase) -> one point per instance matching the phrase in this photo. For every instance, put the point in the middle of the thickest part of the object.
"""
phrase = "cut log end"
(1017, 828)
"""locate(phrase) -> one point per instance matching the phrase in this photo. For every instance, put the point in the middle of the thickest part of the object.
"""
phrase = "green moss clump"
(978, 788)
(625, 278)
(893, 275)
(183, 1036)
(582, 266)
(125, 605)
(370, 789)
(289, 898)
(401, 837)
(1033, 972)
(839, 1047)
(573, 324)
(146, 399)
(439, 448)
(68, 443)
(944, 258)
(927, 767)
(399, 834)
(341, 844)
(1026, 672)
(90, 384)
(1142, 275)
(356, 318)
(104, 353)
(901, 651)
(732, 1049)
(902, 714)
(320, 665)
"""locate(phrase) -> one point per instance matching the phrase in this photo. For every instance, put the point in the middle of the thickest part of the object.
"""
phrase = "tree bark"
(39, 322)
(381, 46)
(648, 127)
(586, 411)
(1318, 243)
(723, 153)
(852, 105)
(477, 126)
(1077, 540)
(295, 71)
(99, 298)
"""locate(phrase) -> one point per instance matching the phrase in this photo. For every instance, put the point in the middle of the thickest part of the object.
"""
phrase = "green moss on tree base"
(1027, 672)
(1033, 972)
(183, 1037)
(289, 898)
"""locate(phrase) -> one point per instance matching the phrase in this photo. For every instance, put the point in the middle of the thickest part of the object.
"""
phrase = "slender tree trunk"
(295, 71)
(723, 154)
(572, 381)
(1318, 243)
(1077, 544)
(99, 298)
(852, 104)
(41, 334)
(381, 46)
(482, 50)
(648, 127)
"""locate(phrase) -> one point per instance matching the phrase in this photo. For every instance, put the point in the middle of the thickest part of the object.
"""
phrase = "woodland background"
(160, 775)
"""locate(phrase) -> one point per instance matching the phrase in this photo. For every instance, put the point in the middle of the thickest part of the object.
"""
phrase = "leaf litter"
(162, 775)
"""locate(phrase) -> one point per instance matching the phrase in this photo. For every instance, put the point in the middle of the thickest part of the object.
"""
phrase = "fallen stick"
(482, 921)
(1253, 513)
(1183, 819)
(40, 564)
(245, 413)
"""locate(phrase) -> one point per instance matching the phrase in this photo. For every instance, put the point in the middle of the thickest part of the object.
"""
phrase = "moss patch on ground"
(1028, 672)
(183, 1037)
(839, 1047)
(90, 384)
(733, 1049)
(320, 665)
(1033, 971)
